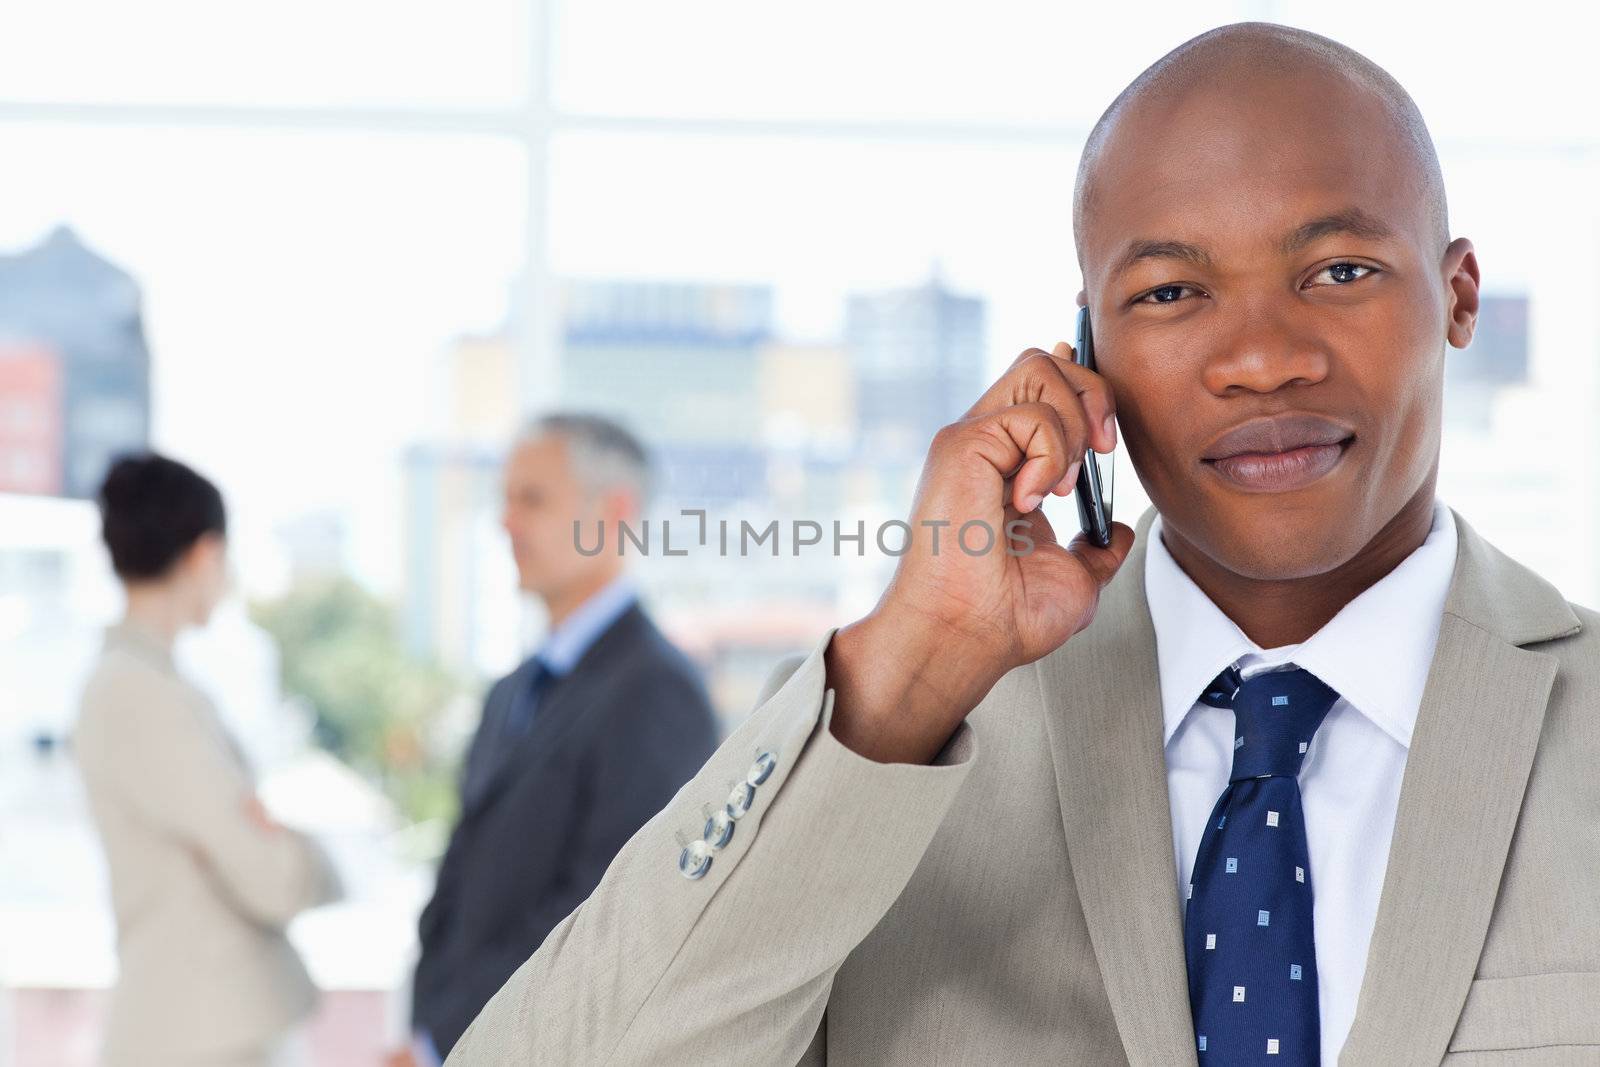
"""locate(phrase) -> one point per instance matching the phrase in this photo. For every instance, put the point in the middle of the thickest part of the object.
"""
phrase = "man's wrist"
(900, 691)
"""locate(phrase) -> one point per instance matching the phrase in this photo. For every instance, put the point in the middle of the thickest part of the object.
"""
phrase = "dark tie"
(525, 700)
(1247, 925)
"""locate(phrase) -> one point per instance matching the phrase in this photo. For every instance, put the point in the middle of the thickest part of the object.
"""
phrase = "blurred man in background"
(577, 748)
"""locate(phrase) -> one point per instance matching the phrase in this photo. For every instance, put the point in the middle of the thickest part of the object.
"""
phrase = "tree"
(377, 706)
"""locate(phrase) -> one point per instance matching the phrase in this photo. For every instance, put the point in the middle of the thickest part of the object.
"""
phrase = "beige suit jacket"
(1015, 902)
(201, 891)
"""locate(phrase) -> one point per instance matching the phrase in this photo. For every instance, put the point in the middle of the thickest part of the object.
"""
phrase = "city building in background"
(1496, 360)
(675, 360)
(74, 369)
(459, 604)
(919, 363)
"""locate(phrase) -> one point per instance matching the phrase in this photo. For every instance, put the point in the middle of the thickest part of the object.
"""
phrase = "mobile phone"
(1093, 490)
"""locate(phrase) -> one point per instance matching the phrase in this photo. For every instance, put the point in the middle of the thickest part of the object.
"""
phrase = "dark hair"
(152, 509)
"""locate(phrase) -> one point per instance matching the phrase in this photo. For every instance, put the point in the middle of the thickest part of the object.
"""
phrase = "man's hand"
(401, 1057)
(953, 621)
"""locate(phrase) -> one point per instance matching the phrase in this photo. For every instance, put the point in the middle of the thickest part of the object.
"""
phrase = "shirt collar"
(1375, 652)
(565, 645)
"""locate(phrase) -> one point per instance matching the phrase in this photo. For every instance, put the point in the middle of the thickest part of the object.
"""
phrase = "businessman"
(577, 747)
(1300, 770)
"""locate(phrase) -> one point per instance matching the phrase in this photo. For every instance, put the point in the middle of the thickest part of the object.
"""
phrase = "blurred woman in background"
(203, 882)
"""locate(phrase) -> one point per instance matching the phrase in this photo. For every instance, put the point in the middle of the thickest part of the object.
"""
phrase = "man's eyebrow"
(1352, 221)
(1138, 250)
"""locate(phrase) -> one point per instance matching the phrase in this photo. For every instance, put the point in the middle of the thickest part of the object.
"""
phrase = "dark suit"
(610, 744)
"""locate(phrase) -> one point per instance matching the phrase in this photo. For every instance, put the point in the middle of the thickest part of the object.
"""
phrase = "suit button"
(719, 829)
(739, 801)
(695, 860)
(761, 769)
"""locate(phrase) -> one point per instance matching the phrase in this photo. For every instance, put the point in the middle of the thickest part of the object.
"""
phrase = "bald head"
(1246, 67)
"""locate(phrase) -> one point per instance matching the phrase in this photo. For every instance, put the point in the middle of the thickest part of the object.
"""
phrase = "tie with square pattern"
(1247, 925)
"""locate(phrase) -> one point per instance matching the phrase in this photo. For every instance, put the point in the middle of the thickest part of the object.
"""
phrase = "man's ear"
(1461, 274)
(1083, 298)
(620, 504)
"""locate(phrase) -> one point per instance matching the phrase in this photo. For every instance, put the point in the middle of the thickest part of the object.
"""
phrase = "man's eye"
(1342, 273)
(1165, 294)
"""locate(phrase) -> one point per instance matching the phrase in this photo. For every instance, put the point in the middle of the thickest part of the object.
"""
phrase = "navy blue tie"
(525, 700)
(1247, 925)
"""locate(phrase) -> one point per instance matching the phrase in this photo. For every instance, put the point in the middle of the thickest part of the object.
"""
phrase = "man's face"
(542, 499)
(1261, 315)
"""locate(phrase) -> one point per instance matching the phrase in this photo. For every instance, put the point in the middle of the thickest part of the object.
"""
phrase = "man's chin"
(1271, 538)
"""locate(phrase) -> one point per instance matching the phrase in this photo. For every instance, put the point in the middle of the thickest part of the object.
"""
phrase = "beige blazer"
(201, 891)
(1015, 903)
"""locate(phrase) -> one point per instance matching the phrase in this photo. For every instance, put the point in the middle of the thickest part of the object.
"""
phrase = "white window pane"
(822, 218)
(287, 53)
(1006, 60)
(1524, 73)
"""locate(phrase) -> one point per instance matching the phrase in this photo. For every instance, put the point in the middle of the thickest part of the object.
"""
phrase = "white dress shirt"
(1376, 653)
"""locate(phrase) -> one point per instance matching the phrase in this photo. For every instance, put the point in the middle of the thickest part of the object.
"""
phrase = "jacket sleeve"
(176, 769)
(659, 730)
(733, 966)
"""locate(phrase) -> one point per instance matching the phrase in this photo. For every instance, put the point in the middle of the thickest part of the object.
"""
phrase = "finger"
(1082, 397)
(1049, 452)
(1012, 386)
(1024, 442)
(1027, 354)
(1035, 378)
(1103, 563)
(1094, 392)
(1069, 481)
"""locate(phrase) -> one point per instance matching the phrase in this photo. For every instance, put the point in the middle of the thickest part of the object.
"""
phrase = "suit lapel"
(1103, 714)
(484, 755)
(507, 759)
(1474, 743)
(563, 701)
(1476, 735)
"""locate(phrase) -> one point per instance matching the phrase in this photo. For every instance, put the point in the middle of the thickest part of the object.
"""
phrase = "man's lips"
(1278, 453)
(1277, 433)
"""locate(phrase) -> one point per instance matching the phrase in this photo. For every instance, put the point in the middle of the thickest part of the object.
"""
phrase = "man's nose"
(1263, 351)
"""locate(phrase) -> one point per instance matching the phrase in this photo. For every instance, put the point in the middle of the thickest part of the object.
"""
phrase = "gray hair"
(602, 452)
